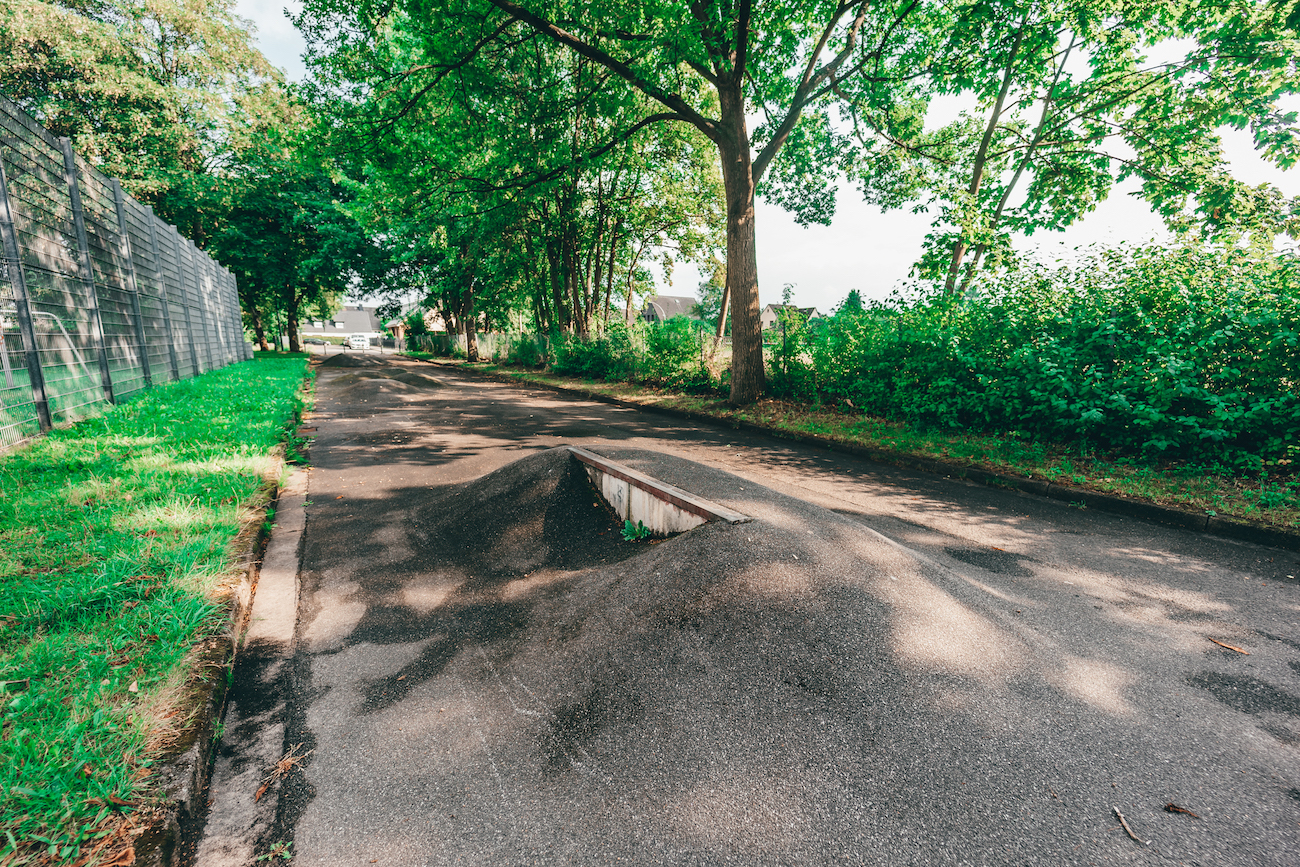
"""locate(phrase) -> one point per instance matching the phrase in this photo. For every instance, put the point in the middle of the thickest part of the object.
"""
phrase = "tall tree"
(289, 238)
(546, 147)
(166, 95)
(1067, 101)
(706, 64)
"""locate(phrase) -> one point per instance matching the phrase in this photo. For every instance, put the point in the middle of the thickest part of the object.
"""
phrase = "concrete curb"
(184, 776)
(1224, 527)
(242, 811)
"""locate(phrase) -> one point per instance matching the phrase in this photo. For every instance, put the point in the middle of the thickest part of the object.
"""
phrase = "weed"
(278, 850)
(635, 532)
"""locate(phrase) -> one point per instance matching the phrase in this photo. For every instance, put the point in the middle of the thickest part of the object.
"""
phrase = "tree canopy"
(791, 96)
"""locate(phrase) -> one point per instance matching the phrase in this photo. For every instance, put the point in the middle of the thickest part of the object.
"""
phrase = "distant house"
(352, 319)
(661, 308)
(398, 327)
(768, 318)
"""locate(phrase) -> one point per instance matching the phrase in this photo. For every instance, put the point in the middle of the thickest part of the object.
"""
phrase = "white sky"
(863, 248)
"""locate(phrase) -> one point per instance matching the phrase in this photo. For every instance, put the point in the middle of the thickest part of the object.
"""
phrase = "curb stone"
(241, 810)
(184, 776)
(1223, 527)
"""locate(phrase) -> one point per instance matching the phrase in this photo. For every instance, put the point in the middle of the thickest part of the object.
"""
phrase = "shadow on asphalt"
(491, 675)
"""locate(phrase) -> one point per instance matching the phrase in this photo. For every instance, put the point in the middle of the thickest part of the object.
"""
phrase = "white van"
(358, 341)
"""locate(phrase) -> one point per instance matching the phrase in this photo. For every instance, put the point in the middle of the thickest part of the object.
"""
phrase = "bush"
(666, 353)
(1187, 353)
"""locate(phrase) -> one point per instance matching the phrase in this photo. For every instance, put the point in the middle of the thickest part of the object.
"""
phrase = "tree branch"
(681, 109)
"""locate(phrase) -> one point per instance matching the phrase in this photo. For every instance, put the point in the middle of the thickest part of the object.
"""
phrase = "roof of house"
(352, 319)
(664, 307)
(808, 312)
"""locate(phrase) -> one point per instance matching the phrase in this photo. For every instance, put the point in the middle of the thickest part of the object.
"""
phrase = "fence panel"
(112, 289)
(98, 297)
(59, 301)
(149, 287)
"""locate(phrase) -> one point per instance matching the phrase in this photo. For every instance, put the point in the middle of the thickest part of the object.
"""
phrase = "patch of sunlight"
(1161, 558)
(170, 516)
(426, 595)
(1192, 600)
(335, 618)
(1095, 683)
(243, 464)
(780, 580)
(936, 631)
(1022, 601)
(87, 492)
(521, 587)
(758, 812)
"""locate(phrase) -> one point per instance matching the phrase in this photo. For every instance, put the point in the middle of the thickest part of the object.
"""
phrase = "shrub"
(1188, 353)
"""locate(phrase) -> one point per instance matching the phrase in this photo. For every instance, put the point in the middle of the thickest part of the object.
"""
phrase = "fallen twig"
(282, 768)
(1127, 829)
(1174, 808)
(1229, 646)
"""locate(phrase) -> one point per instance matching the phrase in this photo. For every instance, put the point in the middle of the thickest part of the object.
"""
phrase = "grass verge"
(1271, 497)
(115, 569)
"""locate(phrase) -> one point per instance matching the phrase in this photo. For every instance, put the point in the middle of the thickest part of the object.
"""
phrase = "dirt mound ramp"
(371, 389)
(391, 374)
(359, 376)
(539, 512)
(352, 361)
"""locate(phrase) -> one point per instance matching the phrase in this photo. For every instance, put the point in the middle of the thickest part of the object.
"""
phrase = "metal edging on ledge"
(681, 499)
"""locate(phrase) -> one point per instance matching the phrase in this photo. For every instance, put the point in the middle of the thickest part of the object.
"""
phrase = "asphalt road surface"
(883, 668)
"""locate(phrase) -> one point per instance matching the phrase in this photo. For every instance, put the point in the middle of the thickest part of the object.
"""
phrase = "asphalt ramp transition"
(494, 675)
(371, 379)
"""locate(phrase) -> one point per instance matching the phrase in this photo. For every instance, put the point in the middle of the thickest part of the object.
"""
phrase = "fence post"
(14, 265)
(124, 245)
(87, 270)
(162, 294)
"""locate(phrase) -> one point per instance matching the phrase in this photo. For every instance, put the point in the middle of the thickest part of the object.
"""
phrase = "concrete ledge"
(242, 813)
(1228, 528)
(662, 507)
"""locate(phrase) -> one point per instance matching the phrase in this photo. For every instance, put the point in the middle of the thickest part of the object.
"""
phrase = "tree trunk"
(291, 323)
(467, 319)
(722, 316)
(259, 331)
(747, 375)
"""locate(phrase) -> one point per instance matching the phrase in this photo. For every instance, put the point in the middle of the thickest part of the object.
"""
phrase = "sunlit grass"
(114, 568)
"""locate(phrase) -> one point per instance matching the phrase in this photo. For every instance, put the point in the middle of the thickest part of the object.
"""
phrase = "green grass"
(115, 569)
(1270, 496)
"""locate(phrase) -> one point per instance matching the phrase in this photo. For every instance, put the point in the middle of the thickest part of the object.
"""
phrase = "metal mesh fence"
(99, 298)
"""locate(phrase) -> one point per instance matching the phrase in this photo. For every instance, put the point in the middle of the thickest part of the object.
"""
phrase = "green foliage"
(661, 353)
(791, 372)
(550, 204)
(1189, 354)
(282, 849)
(1061, 100)
(635, 532)
(289, 237)
(113, 547)
(415, 328)
(168, 95)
